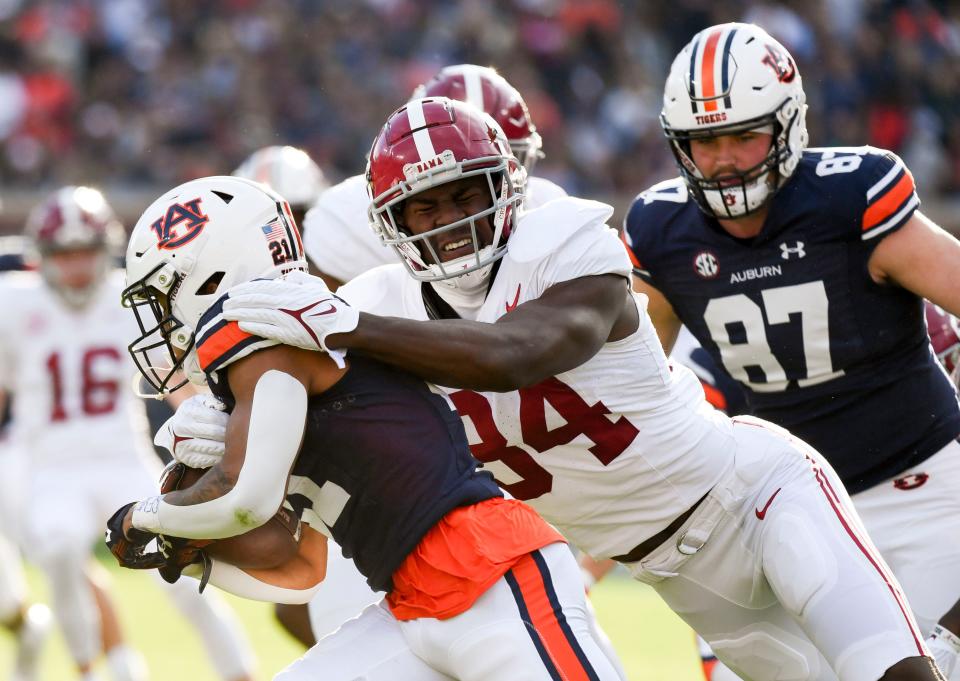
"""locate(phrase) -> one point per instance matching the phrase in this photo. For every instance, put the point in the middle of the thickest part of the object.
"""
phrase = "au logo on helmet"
(180, 225)
(781, 63)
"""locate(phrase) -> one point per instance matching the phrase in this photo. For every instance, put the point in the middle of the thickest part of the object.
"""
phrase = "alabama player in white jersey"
(567, 397)
(337, 235)
(340, 246)
(81, 428)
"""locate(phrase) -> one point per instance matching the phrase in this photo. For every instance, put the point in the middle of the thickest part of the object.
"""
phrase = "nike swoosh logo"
(329, 310)
(177, 439)
(762, 513)
(516, 298)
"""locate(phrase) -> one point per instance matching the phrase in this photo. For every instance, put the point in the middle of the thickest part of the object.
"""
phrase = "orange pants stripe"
(532, 587)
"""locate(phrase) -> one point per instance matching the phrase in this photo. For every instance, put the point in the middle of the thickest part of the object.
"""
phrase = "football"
(272, 544)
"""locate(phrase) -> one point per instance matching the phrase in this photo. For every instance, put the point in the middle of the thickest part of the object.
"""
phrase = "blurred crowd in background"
(147, 93)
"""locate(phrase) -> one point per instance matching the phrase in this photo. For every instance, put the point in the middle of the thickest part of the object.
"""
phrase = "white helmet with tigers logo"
(190, 246)
(729, 79)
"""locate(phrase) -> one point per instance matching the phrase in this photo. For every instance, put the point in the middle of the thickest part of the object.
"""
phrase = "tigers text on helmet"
(487, 90)
(729, 79)
(187, 249)
(430, 142)
(288, 171)
(68, 222)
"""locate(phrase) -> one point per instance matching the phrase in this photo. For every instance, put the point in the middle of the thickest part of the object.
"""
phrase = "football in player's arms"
(267, 546)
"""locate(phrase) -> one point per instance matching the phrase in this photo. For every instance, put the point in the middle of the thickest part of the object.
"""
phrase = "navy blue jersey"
(383, 458)
(795, 317)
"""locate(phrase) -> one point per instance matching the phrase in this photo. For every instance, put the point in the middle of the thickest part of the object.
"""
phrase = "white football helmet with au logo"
(188, 248)
(732, 78)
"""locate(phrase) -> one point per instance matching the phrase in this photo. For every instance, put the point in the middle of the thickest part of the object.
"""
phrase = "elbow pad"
(274, 435)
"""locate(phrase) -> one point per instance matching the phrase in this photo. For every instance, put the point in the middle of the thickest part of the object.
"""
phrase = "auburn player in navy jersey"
(366, 454)
(802, 271)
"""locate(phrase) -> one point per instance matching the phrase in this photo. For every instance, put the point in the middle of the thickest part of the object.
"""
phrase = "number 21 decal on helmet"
(732, 79)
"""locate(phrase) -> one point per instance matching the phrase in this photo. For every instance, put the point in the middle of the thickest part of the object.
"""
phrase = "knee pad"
(766, 652)
(795, 562)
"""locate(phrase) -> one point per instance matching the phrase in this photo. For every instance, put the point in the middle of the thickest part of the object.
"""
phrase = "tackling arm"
(554, 333)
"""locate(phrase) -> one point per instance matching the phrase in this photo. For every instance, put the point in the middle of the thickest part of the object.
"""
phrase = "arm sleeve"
(275, 432)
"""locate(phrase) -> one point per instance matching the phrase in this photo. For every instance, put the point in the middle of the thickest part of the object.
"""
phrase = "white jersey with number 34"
(611, 451)
(68, 370)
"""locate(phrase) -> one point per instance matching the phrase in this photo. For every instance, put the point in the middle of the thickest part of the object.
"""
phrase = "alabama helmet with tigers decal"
(487, 90)
(430, 142)
(190, 246)
(71, 220)
(732, 78)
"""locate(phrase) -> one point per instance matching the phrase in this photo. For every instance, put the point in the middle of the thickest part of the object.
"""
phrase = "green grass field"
(653, 643)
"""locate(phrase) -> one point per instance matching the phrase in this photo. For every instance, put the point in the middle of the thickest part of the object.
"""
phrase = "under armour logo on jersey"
(787, 252)
(706, 265)
(186, 216)
(911, 481)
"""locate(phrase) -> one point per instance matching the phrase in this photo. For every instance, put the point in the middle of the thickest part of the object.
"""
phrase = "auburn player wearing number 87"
(816, 309)
(556, 371)
(63, 358)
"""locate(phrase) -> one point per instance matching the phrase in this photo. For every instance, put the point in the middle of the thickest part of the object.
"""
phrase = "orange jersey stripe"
(886, 205)
(544, 619)
(709, 88)
(219, 343)
(630, 254)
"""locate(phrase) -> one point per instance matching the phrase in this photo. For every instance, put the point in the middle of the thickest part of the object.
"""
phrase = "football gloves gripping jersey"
(297, 310)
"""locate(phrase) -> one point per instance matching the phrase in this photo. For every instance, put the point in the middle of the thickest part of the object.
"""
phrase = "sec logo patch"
(706, 265)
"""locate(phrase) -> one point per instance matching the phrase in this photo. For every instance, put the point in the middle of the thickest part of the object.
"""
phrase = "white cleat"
(31, 636)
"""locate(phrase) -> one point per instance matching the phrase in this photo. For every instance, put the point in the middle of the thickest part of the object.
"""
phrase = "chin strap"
(438, 308)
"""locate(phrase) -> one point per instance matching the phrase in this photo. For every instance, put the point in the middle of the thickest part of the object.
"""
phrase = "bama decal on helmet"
(180, 224)
(442, 161)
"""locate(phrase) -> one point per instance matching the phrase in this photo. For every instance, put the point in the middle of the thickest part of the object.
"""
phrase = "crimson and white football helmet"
(288, 171)
(487, 90)
(944, 331)
(190, 246)
(70, 220)
(430, 142)
(732, 78)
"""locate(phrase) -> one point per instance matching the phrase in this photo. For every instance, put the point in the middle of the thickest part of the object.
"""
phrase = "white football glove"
(297, 310)
(195, 434)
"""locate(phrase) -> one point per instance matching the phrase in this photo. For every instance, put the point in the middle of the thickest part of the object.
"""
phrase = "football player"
(337, 235)
(557, 373)
(340, 245)
(81, 429)
(802, 272)
(371, 456)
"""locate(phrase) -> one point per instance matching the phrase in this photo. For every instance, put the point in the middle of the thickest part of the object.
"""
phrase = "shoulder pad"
(543, 230)
(368, 290)
(673, 190)
(541, 190)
